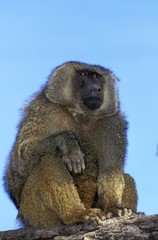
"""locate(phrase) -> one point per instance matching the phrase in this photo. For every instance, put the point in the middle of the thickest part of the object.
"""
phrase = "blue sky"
(122, 35)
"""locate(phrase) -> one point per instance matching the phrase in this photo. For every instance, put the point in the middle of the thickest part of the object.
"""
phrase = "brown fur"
(37, 179)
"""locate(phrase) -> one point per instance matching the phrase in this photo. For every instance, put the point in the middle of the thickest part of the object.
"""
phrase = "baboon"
(67, 162)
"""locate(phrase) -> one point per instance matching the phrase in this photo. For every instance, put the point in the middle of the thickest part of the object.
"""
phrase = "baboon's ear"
(59, 87)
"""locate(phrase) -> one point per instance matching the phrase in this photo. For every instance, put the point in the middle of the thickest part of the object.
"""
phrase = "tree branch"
(134, 227)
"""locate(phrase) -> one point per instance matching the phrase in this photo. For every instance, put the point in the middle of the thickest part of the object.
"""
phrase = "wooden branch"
(134, 227)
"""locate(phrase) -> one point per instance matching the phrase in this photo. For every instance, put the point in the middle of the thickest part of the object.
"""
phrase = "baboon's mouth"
(93, 103)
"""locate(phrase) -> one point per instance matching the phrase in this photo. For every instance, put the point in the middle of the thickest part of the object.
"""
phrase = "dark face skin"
(91, 89)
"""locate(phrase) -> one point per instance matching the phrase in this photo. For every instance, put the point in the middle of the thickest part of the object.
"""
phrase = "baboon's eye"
(89, 74)
(94, 75)
(84, 73)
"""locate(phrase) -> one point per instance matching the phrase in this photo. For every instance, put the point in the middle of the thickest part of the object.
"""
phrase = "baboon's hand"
(70, 152)
(74, 160)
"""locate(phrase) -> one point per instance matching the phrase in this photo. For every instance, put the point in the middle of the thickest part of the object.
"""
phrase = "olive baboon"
(67, 163)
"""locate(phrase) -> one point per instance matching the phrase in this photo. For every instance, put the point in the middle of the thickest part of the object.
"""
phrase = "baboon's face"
(91, 92)
(83, 88)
